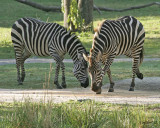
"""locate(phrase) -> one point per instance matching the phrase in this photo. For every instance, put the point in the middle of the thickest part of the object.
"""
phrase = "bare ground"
(147, 91)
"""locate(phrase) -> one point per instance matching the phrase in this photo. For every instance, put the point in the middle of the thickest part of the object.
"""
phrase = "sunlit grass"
(148, 16)
(5, 37)
(37, 74)
(75, 114)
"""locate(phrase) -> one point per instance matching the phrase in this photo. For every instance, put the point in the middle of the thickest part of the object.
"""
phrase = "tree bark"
(66, 12)
(86, 10)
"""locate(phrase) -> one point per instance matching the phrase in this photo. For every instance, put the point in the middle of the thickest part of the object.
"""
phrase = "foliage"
(62, 6)
(74, 18)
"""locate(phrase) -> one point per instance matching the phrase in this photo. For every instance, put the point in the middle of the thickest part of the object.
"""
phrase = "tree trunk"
(86, 10)
(66, 11)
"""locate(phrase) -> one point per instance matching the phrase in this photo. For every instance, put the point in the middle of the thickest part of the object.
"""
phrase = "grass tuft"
(75, 114)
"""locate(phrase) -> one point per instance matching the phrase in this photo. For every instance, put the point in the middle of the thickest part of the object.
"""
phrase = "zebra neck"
(75, 56)
(95, 53)
(74, 47)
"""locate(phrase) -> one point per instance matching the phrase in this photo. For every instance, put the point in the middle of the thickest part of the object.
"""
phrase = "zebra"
(124, 36)
(34, 37)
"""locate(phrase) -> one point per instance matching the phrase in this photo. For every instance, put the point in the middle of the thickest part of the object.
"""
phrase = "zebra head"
(95, 72)
(80, 71)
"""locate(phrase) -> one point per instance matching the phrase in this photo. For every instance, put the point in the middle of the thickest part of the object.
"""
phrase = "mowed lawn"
(37, 74)
(75, 114)
(41, 76)
(11, 11)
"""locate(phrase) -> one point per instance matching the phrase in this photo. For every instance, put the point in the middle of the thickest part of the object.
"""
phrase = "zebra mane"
(96, 35)
(97, 30)
(73, 34)
(37, 20)
(91, 52)
(76, 37)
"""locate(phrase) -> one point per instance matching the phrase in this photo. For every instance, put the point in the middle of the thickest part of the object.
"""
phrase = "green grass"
(148, 16)
(37, 75)
(76, 114)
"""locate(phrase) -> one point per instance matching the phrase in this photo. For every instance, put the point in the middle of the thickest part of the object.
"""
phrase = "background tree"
(85, 8)
(66, 10)
(78, 14)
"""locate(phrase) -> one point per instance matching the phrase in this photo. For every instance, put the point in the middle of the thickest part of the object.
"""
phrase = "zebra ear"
(85, 57)
(98, 56)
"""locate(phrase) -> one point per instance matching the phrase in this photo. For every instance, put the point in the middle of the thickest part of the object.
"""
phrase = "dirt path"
(146, 91)
(40, 60)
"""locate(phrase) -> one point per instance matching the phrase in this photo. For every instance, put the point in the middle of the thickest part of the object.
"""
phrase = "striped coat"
(35, 37)
(124, 36)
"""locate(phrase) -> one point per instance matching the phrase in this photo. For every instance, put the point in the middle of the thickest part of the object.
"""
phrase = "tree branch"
(58, 9)
(41, 7)
(97, 8)
(126, 9)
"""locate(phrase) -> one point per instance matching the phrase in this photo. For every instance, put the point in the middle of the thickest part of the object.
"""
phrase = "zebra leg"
(63, 75)
(134, 70)
(56, 76)
(18, 55)
(107, 69)
(111, 89)
(18, 72)
(139, 75)
(22, 71)
(58, 60)
(26, 55)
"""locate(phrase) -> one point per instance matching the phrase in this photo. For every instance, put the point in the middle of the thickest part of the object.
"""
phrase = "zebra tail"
(141, 56)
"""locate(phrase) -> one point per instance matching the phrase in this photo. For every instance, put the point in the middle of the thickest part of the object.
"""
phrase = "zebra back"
(37, 37)
(118, 36)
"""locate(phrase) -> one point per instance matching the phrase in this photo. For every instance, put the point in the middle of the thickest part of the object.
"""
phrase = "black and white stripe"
(34, 37)
(124, 36)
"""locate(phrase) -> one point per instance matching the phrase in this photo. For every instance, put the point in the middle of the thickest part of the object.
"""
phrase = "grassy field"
(76, 114)
(37, 75)
(11, 10)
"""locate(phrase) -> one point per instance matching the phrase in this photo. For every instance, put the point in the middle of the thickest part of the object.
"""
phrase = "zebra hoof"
(63, 85)
(140, 76)
(20, 83)
(111, 90)
(131, 89)
(59, 87)
(22, 79)
(99, 91)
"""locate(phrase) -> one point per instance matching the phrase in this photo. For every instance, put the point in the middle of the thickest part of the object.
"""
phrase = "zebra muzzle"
(85, 85)
(96, 88)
